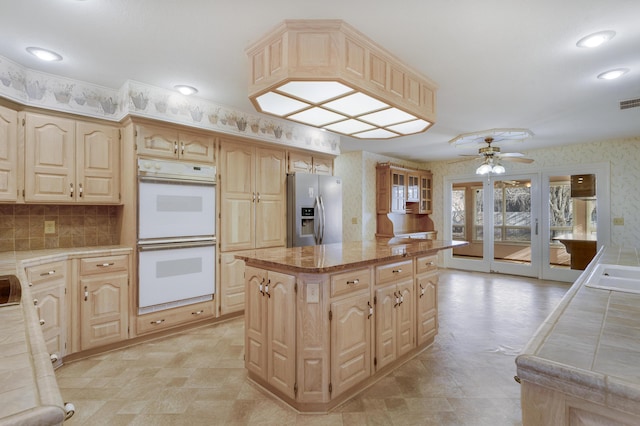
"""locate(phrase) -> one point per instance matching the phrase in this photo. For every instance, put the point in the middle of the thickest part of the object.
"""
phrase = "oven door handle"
(175, 245)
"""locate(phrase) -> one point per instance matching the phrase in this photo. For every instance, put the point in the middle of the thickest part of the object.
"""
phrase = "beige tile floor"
(197, 378)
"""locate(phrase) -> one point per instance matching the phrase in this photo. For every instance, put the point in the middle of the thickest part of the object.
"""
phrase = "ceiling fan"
(492, 157)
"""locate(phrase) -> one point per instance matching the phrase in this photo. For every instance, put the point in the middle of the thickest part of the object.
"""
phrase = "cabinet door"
(427, 307)
(386, 341)
(323, 166)
(405, 318)
(237, 197)
(8, 154)
(49, 158)
(231, 284)
(51, 307)
(156, 142)
(98, 163)
(281, 329)
(196, 147)
(350, 342)
(425, 193)
(270, 227)
(413, 187)
(398, 191)
(103, 309)
(300, 162)
(255, 322)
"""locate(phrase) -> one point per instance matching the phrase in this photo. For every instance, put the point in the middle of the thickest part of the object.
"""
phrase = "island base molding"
(326, 407)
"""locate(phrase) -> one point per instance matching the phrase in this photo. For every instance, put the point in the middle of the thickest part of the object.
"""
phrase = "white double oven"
(176, 234)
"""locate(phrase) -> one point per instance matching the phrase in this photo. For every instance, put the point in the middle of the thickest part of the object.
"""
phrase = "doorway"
(527, 224)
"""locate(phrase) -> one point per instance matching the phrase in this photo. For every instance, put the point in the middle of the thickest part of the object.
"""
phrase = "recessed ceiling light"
(595, 39)
(44, 54)
(613, 74)
(186, 90)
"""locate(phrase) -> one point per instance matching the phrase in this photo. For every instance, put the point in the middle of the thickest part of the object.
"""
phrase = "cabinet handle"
(69, 410)
(430, 263)
(261, 287)
(258, 197)
(80, 190)
(396, 271)
(175, 147)
(356, 281)
(54, 358)
(395, 294)
(51, 272)
(198, 312)
(253, 197)
(181, 148)
(370, 310)
(266, 289)
(71, 190)
(35, 302)
(421, 290)
(42, 322)
(160, 321)
(105, 265)
(86, 293)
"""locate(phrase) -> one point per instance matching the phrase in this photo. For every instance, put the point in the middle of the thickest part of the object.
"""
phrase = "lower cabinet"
(426, 299)
(270, 328)
(350, 341)
(395, 319)
(231, 284)
(103, 299)
(49, 289)
(169, 318)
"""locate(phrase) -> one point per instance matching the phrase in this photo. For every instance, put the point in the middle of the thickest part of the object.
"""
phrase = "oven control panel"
(176, 170)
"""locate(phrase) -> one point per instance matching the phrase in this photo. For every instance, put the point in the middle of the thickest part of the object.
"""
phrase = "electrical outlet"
(49, 226)
(354, 220)
(618, 221)
(313, 293)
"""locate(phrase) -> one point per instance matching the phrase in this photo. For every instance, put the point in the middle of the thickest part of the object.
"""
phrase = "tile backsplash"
(22, 226)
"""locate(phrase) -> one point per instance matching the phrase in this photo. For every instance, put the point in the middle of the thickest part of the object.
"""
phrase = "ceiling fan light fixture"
(484, 169)
(498, 169)
(595, 39)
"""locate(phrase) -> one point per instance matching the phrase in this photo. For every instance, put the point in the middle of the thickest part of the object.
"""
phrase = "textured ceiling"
(497, 63)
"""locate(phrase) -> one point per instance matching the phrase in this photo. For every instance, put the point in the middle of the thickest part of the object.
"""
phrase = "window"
(458, 212)
(511, 212)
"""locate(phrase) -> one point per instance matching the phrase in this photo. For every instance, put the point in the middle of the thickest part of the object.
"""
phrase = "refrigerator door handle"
(316, 224)
(322, 221)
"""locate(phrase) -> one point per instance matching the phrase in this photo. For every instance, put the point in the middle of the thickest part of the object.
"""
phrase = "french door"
(527, 224)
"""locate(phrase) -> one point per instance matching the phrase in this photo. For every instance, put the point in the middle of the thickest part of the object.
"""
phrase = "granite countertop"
(339, 256)
(29, 392)
(589, 346)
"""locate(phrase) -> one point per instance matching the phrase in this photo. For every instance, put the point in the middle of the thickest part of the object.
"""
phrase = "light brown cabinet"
(49, 289)
(8, 154)
(426, 299)
(68, 161)
(270, 328)
(426, 196)
(252, 196)
(395, 312)
(161, 320)
(350, 319)
(303, 162)
(164, 142)
(231, 283)
(103, 297)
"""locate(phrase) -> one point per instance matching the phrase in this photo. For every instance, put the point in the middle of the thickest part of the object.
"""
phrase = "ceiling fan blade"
(461, 160)
(511, 154)
(517, 159)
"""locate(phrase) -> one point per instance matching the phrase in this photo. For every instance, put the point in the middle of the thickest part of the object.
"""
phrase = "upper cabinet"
(402, 190)
(303, 162)
(8, 154)
(162, 142)
(69, 161)
(252, 196)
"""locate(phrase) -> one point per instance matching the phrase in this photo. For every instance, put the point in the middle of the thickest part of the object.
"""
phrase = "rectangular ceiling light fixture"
(326, 74)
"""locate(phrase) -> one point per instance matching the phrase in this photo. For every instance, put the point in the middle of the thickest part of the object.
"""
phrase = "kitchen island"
(324, 322)
(582, 367)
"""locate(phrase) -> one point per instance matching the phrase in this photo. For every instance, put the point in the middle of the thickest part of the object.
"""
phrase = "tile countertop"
(339, 256)
(589, 346)
(29, 392)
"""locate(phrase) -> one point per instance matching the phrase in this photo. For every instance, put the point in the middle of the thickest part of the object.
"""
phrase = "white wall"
(623, 156)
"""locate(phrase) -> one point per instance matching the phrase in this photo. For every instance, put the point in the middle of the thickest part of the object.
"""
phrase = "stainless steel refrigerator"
(314, 209)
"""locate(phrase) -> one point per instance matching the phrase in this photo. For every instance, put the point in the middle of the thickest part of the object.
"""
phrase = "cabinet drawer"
(426, 264)
(394, 271)
(104, 264)
(46, 272)
(172, 317)
(347, 282)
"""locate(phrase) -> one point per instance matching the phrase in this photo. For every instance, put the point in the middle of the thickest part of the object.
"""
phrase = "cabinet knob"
(160, 321)
(42, 322)
(396, 271)
(201, 311)
(54, 358)
(51, 272)
(356, 281)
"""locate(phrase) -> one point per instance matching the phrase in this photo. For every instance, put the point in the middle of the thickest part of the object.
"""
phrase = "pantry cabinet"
(49, 290)
(270, 327)
(164, 142)
(8, 154)
(252, 196)
(69, 161)
(103, 300)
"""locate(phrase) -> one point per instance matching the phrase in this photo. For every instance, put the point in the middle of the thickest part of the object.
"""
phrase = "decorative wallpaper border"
(43, 90)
